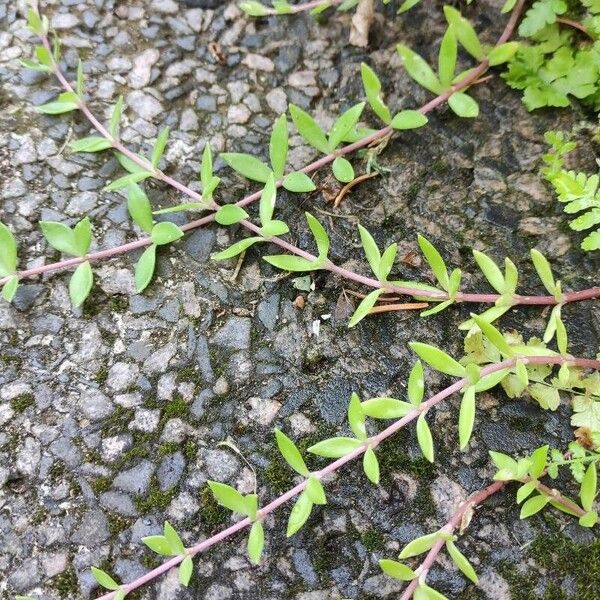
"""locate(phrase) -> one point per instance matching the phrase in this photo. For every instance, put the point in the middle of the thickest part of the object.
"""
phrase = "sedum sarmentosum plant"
(576, 190)
(470, 379)
(532, 493)
(561, 59)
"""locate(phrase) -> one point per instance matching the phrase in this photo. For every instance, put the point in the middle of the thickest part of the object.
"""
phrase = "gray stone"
(93, 529)
(234, 334)
(170, 470)
(135, 480)
(95, 405)
(145, 105)
(139, 76)
(118, 502)
(220, 465)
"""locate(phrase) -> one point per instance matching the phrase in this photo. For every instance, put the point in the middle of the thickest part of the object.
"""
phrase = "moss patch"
(212, 514)
(22, 403)
(65, 583)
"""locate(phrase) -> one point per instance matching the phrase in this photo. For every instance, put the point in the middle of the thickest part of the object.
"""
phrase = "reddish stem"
(452, 524)
(340, 462)
(575, 25)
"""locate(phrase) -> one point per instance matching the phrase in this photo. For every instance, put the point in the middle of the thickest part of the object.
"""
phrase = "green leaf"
(463, 105)
(315, 491)
(229, 214)
(120, 595)
(503, 462)
(419, 70)
(9, 289)
(362, 310)
(533, 505)
(589, 519)
(274, 228)
(290, 453)
(587, 491)
(490, 270)
(494, 336)
(541, 13)
(419, 545)
(396, 570)
(104, 579)
(525, 491)
(424, 438)
(139, 207)
(158, 544)
(82, 236)
(490, 381)
(144, 268)
(251, 504)
(298, 182)
(185, 571)
(436, 262)
(159, 146)
(407, 5)
(466, 418)
(165, 233)
(254, 9)
(307, 127)
(372, 87)
(371, 251)
(371, 466)
(438, 359)
(285, 262)
(542, 267)
(93, 143)
(256, 542)
(335, 447)
(173, 539)
(508, 6)
(236, 248)
(228, 497)
(461, 562)
(278, 146)
(344, 124)
(60, 236)
(356, 418)
(35, 23)
(66, 102)
(387, 262)
(342, 170)
(447, 57)
(206, 169)
(561, 334)
(267, 201)
(539, 459)
(81, 283)
(247, 165)
(464, 32)
(416, 384)
(124, 181)
(8, 251)
(503, 53)
(320, 235)
(408, 119)
(386, 408)
(115, 118)
(299, 515)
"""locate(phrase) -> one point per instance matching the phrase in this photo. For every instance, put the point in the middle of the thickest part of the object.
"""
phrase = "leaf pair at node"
(74, 241)
(109, 583)
(246, 505)
(160, 233)
(313, 492)
(253, 168)
(343, 129)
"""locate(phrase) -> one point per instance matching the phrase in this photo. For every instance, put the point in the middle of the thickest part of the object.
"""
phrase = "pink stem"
(452, 524)
(337, 464)
(377, 135)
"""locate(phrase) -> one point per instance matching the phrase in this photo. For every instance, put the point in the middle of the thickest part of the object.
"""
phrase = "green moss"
(22, 403)
(188, 374)
(558, 558)
(65, 583)
(190, 450)
(168, 448)
(413, 191)
(212, 514)
(117, 422)
(177, 407)
(39, 516)
(117, 524)
(156, 498)
(373, 540)
(56, 471)
(100, 485)
(279, 475)
(101, 375)
(393, 458)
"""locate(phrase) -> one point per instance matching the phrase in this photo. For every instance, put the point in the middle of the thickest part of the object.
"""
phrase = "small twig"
(338, 199)
(575, 25)
(383, 308)
(238, 266)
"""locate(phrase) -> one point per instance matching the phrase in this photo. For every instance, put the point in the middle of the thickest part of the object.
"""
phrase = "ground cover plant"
(539, 369)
